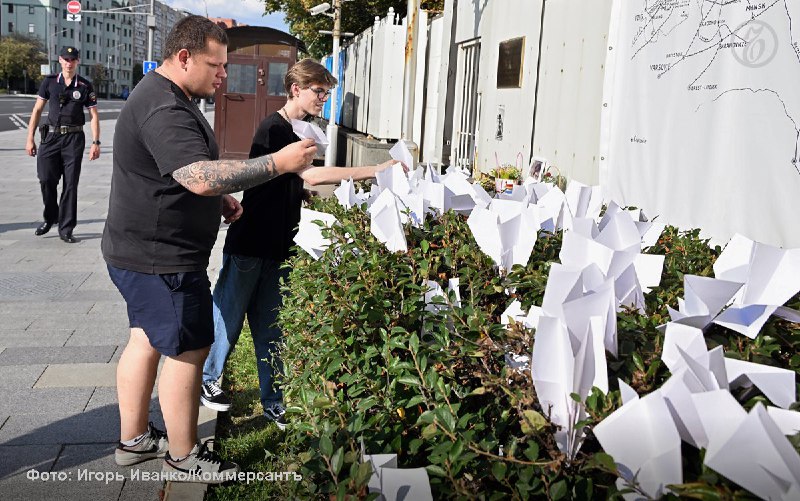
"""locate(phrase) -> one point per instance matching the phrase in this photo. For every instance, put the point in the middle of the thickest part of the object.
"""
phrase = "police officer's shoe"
(43, 228)
(68, 238)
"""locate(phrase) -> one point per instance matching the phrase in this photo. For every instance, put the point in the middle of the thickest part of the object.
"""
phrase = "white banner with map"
(701, 118)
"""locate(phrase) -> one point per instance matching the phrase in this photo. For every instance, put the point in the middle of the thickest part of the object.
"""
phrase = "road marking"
(20, 123)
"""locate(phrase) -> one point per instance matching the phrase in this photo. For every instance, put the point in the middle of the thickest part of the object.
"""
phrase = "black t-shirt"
(65, 103)
(272, 209)
(154, 224)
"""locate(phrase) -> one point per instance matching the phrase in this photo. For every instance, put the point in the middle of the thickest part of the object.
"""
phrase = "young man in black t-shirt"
(257, 244)
(168, 189)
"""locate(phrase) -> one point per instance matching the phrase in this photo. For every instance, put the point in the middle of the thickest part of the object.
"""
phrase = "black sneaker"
(276, 413)
(201, 465)
(153, 445)
(212, 396)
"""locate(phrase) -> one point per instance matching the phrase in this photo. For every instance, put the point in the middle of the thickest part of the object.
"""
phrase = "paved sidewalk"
(63, 326)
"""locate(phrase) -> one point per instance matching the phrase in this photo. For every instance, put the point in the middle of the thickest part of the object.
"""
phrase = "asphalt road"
(15, 111)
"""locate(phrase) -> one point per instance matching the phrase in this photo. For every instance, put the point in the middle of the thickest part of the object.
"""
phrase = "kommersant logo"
(754, 43)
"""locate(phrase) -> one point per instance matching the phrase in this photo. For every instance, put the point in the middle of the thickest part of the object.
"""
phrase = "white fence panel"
(386, 81)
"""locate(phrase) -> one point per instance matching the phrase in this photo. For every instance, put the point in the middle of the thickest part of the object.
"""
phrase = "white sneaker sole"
(214, 406)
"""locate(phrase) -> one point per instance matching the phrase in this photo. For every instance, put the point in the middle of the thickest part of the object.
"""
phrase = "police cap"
(69, 53)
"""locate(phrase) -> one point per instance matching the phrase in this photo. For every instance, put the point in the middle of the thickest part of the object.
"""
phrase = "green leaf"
(408, 380)
(424, 245)
(637, 360)
(325, 446)
(499, 470)
(436, 470)
(558, 490)
(481, 390)
(337, 460)
(532, 422)
(415, 400)
(429, 431)
(413, 343)
(363, 474)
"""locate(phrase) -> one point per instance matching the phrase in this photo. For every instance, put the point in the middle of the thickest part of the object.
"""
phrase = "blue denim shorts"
(173, 309)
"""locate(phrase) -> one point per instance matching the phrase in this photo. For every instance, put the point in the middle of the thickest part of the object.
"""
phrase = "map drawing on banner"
(701, 118)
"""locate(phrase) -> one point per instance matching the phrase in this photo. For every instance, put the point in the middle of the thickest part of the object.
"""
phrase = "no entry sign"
(73, 7)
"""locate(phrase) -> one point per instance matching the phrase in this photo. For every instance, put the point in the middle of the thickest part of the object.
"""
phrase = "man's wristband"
(97, 142)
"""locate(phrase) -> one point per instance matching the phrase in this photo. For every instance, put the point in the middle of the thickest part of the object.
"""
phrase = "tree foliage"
(357, 16)
(18, 55)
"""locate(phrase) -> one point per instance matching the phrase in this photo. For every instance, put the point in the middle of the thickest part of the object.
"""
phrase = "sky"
(244, 11)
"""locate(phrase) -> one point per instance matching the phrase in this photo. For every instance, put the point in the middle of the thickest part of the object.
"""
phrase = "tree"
(98, 74)
(20, 55)
(356, 17)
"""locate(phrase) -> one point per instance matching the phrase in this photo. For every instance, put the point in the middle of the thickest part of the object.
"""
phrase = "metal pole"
(151, 30)
(410, 77)
(333, 129)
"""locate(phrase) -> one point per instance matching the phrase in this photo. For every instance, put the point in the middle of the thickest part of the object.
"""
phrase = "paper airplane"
(309, 130)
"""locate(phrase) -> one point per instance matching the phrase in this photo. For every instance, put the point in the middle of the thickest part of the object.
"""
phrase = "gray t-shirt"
(154, 224)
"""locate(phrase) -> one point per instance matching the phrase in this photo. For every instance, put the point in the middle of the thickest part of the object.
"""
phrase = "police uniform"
(61, 150)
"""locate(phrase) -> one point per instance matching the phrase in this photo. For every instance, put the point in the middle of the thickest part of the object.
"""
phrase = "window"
(277, 73)
(72, 33)
(94, 38)
(10, 27)
(88, 38)
(31, 10)
(11, 8)
(31, 28)
(242, 78)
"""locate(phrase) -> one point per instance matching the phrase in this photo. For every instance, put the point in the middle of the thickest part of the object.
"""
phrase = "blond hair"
(306, 73)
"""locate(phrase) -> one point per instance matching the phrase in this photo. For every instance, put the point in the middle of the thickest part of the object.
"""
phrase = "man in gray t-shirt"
(168, 189)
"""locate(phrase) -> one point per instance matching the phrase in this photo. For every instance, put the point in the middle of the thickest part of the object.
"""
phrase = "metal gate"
(467, 105)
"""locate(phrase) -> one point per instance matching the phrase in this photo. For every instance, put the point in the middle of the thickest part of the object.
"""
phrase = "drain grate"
(39, 286)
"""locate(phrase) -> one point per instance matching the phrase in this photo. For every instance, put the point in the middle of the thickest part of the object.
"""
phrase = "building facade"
(110, 33)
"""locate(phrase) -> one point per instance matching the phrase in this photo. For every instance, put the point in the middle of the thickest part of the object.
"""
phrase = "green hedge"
(359, 368)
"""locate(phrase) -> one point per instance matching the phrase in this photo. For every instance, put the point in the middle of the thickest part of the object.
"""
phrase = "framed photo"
(537, 168)
(510, 59)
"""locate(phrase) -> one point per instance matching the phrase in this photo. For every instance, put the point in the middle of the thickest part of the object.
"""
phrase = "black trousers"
(60, 155)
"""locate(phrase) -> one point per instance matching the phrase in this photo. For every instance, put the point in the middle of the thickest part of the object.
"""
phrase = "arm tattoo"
(217, 177)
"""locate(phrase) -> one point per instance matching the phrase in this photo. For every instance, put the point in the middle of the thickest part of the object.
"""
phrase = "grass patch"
(246, 437)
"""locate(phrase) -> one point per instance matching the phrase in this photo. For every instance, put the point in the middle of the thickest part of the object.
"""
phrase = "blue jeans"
(248, 286)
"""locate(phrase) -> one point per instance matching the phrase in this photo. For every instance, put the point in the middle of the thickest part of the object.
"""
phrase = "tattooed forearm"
(217, 177)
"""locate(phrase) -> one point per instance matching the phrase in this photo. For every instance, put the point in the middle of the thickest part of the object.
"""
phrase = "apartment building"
(112, 33)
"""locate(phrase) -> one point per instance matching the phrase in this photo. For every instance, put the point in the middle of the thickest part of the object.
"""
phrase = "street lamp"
(332, 130)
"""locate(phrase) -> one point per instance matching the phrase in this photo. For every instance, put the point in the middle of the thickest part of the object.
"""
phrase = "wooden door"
(254, 89)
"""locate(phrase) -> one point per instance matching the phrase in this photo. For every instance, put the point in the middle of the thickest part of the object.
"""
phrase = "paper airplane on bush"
(566, 362)
(771, 276)
(397, 484)
(309, 234)
(748, 448)
(308, 130)
(385, 222)
(506, 232)
(644, 442)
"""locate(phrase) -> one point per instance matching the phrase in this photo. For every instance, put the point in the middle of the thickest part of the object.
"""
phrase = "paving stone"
(99, 425)
(15, 459)
(56, 355)
(99, 336)
(39, 401)
(14, 376)
(78, 376)
(15, 322)
(74, 321)
(19, 488)
(29, 338)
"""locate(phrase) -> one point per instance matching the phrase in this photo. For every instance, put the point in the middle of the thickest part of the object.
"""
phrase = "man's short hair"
(192, 33)
(307, 72)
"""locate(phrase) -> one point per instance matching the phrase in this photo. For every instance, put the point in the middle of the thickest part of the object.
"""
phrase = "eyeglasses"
(322, 94)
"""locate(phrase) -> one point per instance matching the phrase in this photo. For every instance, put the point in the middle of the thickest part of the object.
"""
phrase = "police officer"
(63, 141)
